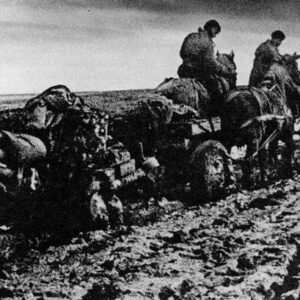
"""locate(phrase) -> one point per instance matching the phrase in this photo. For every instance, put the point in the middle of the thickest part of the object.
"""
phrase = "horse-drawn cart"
(255, 117)
(60, 155)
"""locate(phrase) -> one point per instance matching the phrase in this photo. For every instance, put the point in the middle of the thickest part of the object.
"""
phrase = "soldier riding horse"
(194, 92)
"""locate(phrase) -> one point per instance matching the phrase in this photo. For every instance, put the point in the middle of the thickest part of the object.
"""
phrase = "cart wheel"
(211, 171)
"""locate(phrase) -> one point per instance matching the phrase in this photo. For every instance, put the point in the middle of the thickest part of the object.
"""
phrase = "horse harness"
(262, 100)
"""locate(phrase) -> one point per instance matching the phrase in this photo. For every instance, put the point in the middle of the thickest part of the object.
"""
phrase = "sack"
(21, 148)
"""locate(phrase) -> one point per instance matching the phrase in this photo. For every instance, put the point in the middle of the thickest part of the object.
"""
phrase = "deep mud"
(243, 247)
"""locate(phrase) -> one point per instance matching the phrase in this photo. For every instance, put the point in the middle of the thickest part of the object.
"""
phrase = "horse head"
(286, 76)
(291, 65)
(227, 60)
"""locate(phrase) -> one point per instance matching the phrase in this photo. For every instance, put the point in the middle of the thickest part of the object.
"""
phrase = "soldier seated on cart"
(200, 61)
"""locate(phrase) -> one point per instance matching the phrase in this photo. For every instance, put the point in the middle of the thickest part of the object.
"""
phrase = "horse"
(258, 117)
(194, 93)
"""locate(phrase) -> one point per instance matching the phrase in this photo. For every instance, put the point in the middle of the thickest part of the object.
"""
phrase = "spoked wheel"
(211, 171)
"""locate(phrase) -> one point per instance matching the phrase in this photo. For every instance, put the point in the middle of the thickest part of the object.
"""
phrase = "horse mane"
(286, 71)
(279, 76)
(278, 72)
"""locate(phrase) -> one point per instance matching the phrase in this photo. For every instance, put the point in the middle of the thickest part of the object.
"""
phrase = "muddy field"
(243, 247)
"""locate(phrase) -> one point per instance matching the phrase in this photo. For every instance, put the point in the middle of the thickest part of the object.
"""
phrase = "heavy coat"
(265, 55)
(199, 60)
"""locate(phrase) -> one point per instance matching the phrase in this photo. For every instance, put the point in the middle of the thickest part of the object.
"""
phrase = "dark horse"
(193, 92)
(257, 117)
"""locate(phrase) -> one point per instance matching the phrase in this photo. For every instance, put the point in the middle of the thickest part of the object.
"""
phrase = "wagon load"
(80, 167)
(19, 149)
(202, 93)
(16, 152)
(170, 131)
(185, 91)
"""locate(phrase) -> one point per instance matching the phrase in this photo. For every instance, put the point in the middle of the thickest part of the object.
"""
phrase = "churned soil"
(243, 247)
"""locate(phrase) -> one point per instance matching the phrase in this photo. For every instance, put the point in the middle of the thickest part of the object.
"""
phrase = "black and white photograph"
(150, 149)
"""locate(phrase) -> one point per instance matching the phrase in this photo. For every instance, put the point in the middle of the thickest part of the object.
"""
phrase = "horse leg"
(254, 155)
(273, 159)
(262, 159)
(287, 171)
(271, 152)
(247, 165)
(246, 168)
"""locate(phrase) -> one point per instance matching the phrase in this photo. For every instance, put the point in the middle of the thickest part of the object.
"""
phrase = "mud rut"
(244, 247)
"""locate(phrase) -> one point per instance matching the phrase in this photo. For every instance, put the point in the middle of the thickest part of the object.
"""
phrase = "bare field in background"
(114, 102)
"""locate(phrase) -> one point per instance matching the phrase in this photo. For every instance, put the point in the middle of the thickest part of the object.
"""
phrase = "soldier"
(199, 59)
(265, 55)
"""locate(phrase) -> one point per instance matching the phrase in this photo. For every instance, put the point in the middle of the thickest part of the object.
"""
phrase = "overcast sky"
(126, 44)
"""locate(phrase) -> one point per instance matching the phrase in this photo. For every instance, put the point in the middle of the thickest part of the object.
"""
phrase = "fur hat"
(212, 23)
(278, 34)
